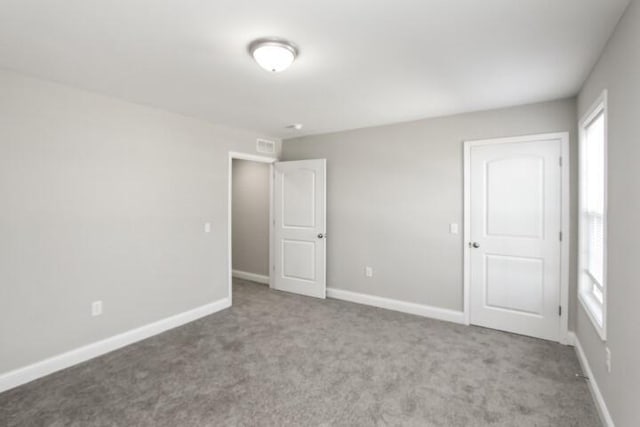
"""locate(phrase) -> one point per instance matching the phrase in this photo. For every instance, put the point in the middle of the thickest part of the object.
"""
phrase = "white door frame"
(565, 220)
(253, 158)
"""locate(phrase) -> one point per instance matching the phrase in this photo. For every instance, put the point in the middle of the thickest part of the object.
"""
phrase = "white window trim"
(596, 312)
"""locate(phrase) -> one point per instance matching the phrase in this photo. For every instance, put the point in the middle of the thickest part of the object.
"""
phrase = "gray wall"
(618, 71)
(251, 200)
(393, 190)
(104, 200)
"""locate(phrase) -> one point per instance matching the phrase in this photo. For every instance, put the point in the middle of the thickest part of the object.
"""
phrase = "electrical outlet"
(207, 227)
(96, 308)
(607, 361)
(368, 271)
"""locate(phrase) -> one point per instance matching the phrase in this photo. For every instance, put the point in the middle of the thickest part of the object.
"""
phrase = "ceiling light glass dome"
(273, 55)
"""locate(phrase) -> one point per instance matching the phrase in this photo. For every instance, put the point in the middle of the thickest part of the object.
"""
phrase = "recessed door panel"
(515, 196)
(298, 201)
(298, 259)
(515, 283)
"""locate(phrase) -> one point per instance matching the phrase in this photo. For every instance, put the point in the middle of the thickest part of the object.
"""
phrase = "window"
(593, 215)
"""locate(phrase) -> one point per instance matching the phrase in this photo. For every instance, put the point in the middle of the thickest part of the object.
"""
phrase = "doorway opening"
(250, 218)
(277, 223)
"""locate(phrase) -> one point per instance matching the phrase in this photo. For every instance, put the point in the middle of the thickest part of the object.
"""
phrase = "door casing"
(563, 140)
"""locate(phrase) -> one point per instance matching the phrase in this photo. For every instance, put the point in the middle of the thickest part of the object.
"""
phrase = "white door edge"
(563, 138)
(255, 158)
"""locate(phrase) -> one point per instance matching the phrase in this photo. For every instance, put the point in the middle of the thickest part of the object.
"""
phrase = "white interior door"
(300, 227)
(514, 236)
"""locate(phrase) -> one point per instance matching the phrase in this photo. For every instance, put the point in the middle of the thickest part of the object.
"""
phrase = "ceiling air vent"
(265, 146)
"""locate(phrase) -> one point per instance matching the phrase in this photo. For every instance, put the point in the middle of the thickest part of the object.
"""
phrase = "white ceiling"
(362, 62)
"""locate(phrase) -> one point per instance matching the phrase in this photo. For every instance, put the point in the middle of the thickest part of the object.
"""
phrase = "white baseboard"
(48, 366)
(396, 305)
(259, 278)
(601, 406)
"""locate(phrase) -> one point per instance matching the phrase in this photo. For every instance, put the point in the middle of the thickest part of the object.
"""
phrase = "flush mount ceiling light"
(273, 55)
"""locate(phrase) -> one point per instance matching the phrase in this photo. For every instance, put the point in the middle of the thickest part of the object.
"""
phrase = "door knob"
(474, 245)
(321, 236)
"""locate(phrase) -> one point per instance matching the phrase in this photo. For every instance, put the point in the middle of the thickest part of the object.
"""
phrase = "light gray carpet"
(276, 359)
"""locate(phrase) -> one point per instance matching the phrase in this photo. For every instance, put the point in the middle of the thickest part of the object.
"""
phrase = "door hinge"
(560, 161)
(559, 310)
(560, 235)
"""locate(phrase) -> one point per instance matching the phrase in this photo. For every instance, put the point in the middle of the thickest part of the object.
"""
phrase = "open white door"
(515, 210)
(300, 227)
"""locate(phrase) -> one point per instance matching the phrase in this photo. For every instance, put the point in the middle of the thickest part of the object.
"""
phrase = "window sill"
(595, 313)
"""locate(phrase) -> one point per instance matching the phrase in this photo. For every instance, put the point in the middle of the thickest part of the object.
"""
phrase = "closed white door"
(514, 236)
(300, 227)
